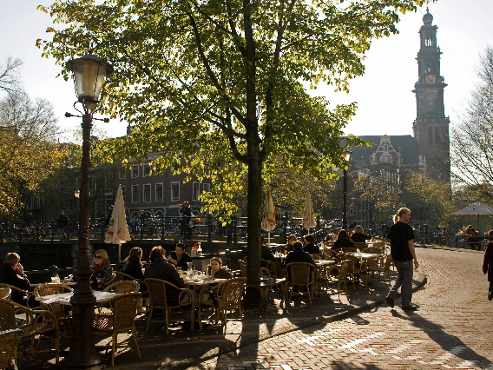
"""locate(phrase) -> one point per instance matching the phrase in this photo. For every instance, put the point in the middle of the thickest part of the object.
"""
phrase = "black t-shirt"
(399, 234)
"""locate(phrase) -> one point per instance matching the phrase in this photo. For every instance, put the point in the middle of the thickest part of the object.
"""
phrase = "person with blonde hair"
(291, 239)
(401, 236)
(103, 272)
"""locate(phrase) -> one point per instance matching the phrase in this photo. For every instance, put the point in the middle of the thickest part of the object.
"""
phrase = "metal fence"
(205, 228)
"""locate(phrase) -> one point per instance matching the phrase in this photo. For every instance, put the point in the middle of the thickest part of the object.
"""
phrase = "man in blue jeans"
(401, 237)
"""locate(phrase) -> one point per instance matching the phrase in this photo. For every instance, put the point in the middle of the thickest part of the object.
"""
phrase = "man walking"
(401, 236)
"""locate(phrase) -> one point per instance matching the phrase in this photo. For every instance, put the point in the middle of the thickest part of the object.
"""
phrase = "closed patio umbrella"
(269, 220)
(308, 216)
(117, 229)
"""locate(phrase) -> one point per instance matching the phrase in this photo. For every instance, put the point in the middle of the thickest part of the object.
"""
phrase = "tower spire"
(431, 127)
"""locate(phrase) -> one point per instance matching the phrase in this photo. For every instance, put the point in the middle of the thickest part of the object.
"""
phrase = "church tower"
(431, 127)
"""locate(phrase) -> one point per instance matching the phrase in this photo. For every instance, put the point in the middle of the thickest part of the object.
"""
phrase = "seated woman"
(103, 272)
(12, 273)
(216, 270)
(342, 241)
(326, 246)
(359, 235)
(290, 243)
(133, 264)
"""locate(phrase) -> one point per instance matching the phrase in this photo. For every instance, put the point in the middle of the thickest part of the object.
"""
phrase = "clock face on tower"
(430, 78)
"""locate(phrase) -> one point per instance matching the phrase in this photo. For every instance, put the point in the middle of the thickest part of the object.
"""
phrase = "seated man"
(179, 257)
(12, 273)
(359, 235)
(298, 255)
(310, 246)
(160, 268)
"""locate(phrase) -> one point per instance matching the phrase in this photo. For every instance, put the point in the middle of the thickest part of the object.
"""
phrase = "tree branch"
(210, 72)
(273, 76)
(236, 37)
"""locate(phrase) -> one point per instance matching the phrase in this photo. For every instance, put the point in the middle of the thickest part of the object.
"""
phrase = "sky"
(386, 104)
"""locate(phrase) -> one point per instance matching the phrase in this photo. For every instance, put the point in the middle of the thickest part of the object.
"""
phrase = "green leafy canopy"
(218, 86)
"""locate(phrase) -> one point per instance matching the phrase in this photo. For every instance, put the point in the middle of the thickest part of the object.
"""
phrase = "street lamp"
(89, 74)
(347, 157)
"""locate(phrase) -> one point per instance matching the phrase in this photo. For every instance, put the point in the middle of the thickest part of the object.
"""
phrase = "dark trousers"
(404, 281)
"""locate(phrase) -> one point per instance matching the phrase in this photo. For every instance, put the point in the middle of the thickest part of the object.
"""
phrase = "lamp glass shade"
(347, 156)
(89, 73)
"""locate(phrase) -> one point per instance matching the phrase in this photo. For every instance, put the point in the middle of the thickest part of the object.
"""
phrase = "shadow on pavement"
(248, 342)
(449, 343)
(339, 365)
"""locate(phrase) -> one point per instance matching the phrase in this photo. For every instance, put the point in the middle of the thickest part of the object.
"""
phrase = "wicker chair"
(37, 324)
(53, 288)
(301, 276)
(13, 289)
(361, 245)
(120, 320)
(5, 292)
(346, 274)
(123, 286)
(229, 297)
(123, 276)
(8, 348)
(157, 290)
(243, 267)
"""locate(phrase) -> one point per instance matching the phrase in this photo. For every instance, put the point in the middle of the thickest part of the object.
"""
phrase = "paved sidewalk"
(183, 350)
(453, 329)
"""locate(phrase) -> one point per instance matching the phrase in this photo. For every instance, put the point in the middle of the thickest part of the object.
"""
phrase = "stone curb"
(447, 248)
(332, 318)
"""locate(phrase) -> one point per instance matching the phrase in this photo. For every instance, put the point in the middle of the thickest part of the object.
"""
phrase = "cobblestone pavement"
(452, 330)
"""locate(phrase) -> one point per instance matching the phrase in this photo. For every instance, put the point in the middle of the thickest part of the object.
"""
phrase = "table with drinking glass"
(322, 274)
(199, 283)
(268, 283)
(362, 258)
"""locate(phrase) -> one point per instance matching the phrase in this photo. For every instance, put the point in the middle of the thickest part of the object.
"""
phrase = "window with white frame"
(175, 191)
(158, 192)
(196, 190)
(135, 170)
(135, 193)
(206, 186)
(146, 169)
(147, 192)
(122, 173)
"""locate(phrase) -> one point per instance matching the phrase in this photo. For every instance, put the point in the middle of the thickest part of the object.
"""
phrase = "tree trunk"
(253, 213)
(254, 164)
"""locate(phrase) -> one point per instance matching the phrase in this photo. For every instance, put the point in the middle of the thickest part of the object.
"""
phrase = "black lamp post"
(89, 74)
(347, 156)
